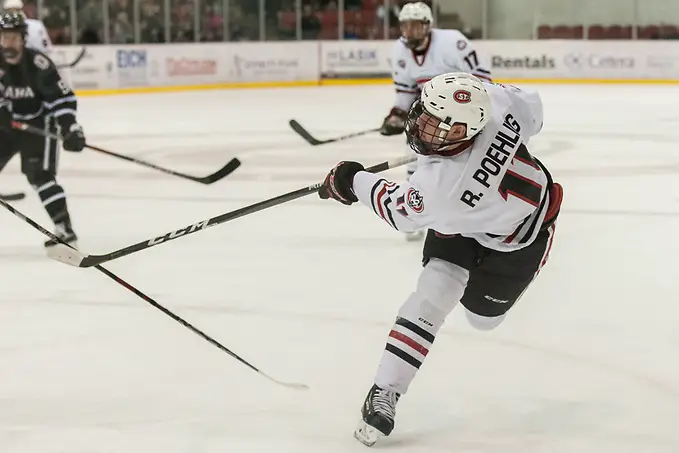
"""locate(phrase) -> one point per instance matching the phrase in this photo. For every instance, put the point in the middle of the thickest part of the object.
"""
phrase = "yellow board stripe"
(348, 82)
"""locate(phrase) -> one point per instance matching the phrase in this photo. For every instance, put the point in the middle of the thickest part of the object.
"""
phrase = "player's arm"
(470, 59)
(59, 102)
(406, 92)
(402, 206)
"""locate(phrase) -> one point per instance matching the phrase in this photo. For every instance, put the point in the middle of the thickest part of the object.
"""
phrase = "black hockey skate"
(65, 232)
(379, 410)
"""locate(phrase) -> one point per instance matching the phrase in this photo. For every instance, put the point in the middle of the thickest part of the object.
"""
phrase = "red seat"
(620, 32)
(669, 31)
(544, 32)
(329, 33)
(578, 32)
(648, 32)
(596, 32)
(563, 32)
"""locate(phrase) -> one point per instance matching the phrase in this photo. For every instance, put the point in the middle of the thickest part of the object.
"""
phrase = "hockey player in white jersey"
(419, 55)
(37, 37)
(490, 209)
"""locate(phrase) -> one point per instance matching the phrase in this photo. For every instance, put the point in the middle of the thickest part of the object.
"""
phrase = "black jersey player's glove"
(74, 140)
(338, 184)
(394, 123)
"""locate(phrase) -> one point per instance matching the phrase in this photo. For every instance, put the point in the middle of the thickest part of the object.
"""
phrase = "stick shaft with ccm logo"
(75, 258)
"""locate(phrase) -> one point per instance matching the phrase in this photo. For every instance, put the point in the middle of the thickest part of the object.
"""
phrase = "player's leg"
(501, 279)
(39, 162)
(439, 288)
(7, 147)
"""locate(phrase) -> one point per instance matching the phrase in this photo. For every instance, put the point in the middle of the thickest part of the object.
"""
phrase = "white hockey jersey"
(447, 51)
(37, 37)
(494, 192)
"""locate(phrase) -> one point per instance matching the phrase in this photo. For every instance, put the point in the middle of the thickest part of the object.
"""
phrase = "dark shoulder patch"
(41, 61)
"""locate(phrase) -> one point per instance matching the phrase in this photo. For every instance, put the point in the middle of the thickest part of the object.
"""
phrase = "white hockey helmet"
(419, 11)
(447, 101)
(13, 4)
(415, 20)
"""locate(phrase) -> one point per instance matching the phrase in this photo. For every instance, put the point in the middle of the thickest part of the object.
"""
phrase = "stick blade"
(226, 170)
(290, 385)
(66, 255)
(304, 133)
(13, 196)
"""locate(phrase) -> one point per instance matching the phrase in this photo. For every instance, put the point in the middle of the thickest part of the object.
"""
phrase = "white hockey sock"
(439, 288)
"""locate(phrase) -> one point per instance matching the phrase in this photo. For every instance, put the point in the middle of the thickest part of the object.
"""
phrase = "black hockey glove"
(74, 140)
(394, 123)
(338, 184)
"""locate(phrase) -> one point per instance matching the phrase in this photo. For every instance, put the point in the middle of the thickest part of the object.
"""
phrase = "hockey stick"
(314, 141)
(13, 196)
(227, 169)
(74, 62)
(155, 304)
(76, 258)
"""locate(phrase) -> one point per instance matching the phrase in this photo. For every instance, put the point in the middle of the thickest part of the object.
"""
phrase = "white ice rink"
(307, 291)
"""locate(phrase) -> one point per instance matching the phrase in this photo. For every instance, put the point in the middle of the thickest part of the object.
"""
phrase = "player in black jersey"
(35, 94)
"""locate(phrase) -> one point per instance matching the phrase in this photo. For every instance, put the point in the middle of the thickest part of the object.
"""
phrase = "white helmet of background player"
(13, 5)
(452, 109)
(415, 20)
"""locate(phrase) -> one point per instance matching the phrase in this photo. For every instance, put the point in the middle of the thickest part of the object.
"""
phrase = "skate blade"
(366, 434)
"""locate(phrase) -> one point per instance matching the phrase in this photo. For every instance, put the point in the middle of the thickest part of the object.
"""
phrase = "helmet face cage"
(414, 42)
(427, 134)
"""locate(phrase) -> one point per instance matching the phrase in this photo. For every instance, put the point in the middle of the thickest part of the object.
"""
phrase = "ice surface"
(587, 362)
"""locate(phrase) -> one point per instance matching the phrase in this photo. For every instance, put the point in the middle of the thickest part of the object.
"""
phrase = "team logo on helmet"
(461, 45)
(415, 201)
(462, 96)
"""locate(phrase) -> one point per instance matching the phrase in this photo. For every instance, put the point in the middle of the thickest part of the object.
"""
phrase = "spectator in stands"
(182, 22)
(90, 23)
(151, 22)
(57, 22)
(122, 31)
(311, 25)
(350, 32)
(393, 11)
(353, 5)
(212, 26)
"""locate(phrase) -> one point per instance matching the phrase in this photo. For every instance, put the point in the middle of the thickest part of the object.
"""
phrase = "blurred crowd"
(363, 19)
(83, 21)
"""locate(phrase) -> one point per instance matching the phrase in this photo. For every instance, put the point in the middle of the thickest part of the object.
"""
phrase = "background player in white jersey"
(419, 55)
(37, 37)
(490, 209)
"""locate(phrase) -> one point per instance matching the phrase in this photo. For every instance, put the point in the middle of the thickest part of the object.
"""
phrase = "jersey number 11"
(521, 185)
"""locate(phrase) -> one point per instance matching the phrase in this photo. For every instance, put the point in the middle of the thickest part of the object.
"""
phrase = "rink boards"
(201, 66)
